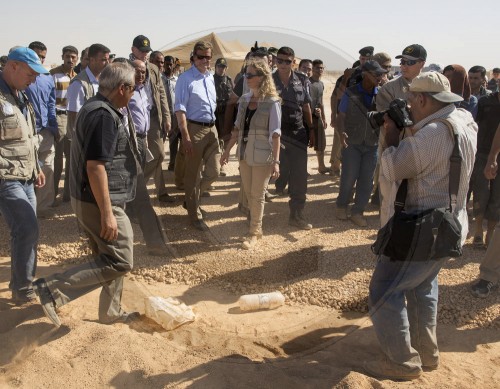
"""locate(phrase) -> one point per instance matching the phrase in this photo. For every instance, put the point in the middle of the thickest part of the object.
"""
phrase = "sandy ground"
(320, 338)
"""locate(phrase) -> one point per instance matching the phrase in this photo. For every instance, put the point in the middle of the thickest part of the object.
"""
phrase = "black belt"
(203, 124)
(61, 113)
(142, 136)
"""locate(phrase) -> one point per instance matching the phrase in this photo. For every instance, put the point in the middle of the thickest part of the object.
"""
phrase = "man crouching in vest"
(19, 170)
(103, 173)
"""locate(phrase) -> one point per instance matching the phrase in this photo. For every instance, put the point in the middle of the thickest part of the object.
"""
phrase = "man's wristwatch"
(276, 162)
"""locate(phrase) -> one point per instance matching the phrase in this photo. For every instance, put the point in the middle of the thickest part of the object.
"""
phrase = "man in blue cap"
(19, 169)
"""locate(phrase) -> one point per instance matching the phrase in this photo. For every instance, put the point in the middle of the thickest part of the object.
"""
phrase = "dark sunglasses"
(281, 61)
(202, 57)
(408, 62)
(249, 76)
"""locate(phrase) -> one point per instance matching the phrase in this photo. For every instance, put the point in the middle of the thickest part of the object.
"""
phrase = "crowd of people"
(105, 123)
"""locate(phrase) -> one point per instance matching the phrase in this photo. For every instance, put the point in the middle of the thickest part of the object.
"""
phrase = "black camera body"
(398, 112)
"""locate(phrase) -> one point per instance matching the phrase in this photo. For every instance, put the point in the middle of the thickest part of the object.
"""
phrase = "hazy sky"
(452, 33)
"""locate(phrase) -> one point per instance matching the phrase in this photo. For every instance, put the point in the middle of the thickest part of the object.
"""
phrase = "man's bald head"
(140, 71)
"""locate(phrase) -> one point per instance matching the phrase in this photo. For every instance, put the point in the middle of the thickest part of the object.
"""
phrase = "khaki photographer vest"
(18, 143)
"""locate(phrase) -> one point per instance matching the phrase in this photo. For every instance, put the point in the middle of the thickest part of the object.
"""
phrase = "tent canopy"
(233, 51)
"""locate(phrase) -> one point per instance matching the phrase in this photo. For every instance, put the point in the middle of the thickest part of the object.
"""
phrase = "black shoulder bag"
(430, 234)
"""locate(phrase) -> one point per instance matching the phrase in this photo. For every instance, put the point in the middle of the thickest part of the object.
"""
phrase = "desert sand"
(318, 339)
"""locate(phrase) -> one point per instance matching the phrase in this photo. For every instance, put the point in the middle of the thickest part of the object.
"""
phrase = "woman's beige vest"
(258, 151)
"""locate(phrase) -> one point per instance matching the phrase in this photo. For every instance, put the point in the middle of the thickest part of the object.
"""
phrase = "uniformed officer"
(293, 88)
(19, 170)
(223, 89)
(365, 54)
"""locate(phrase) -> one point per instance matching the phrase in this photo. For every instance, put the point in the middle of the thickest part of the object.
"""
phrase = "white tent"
(233, 51)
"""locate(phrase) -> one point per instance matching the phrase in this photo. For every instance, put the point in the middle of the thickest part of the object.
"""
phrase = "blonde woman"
(257, 130)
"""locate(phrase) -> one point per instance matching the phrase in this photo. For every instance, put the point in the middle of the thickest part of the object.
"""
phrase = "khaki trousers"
(205, 152)
(154, 167)
(336, 155)
(112, 261)
(180, 167)
(254, 180)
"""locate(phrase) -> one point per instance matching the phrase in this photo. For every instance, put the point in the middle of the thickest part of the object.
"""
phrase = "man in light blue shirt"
(195, 103)
(42, 96)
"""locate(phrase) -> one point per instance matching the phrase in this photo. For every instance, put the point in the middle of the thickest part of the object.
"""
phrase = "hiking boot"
(341, 213)
(482, 288)
(386, 369)
(250, 242)
(125, 318)
(297, 220)
(23, 298)
(359, 220)
(47, 301)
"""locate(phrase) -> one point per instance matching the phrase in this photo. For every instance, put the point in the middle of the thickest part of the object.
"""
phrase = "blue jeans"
(18, 207)
(406, 330)
(358, 167)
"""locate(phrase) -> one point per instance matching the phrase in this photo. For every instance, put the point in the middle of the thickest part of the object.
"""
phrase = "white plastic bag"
(168, 312)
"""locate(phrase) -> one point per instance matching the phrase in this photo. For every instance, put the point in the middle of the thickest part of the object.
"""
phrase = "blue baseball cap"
(29, 57)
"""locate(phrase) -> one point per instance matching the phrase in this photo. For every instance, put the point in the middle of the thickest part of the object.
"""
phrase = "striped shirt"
(62, 80)
(424, 159)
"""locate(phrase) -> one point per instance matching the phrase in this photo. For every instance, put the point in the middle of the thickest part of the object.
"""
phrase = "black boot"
(297, 220)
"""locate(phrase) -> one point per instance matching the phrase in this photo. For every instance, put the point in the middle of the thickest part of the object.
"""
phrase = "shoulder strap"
(455, 165)
(455, 170)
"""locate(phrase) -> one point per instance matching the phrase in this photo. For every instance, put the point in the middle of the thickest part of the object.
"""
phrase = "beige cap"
(437, 85)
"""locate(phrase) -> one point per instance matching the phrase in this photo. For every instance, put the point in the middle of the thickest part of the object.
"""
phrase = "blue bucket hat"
(29, 57)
